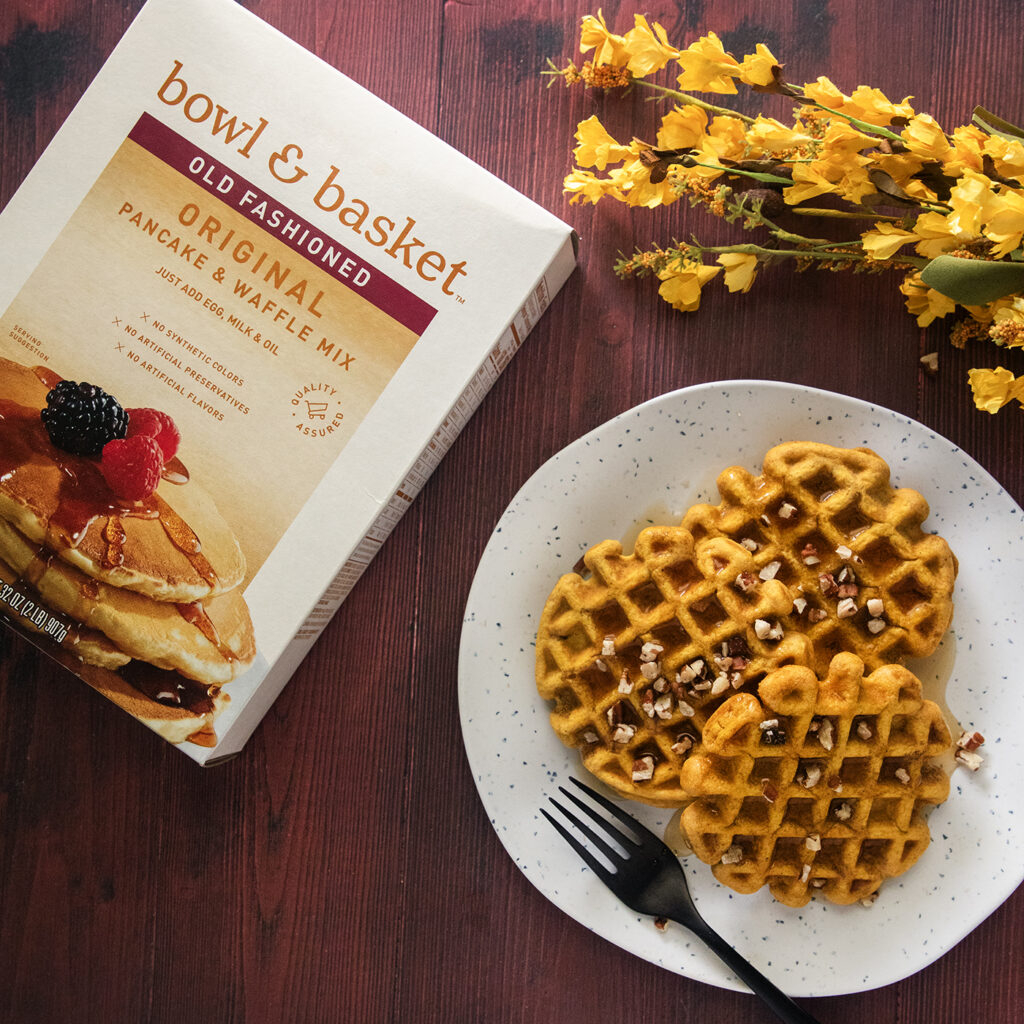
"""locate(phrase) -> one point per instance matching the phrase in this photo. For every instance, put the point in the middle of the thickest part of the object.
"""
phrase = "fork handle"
(777, 1001)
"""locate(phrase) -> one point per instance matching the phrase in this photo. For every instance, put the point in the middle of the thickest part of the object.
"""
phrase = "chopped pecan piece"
(970, 741)
(734, 855)
(683, 743)
(643, 768)
(969, 759)
(623, 733)
(745, 582)
(843, 812)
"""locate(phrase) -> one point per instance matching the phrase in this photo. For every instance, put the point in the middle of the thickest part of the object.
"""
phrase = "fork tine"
(585, 855)
(641, 832)
(609, 827)
(610, 852)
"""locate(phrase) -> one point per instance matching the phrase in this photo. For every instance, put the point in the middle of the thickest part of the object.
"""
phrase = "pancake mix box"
(238, 332)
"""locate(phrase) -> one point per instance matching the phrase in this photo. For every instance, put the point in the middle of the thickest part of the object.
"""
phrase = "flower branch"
(955, 240)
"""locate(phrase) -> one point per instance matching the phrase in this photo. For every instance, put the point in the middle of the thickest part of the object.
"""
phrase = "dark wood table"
(342, 868)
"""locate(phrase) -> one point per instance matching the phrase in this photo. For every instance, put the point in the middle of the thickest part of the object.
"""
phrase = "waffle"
(818, 788)
(826, 521)
(639, 651)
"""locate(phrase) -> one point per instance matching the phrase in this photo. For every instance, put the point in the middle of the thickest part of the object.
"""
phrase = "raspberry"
(154, 423)
(132, 466)
(82, 418)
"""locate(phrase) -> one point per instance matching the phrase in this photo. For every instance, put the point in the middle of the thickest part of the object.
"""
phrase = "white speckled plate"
(649, 465)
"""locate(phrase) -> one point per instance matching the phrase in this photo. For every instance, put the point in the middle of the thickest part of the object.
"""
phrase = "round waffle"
(637, 652)
(819, 787)
(827, 522)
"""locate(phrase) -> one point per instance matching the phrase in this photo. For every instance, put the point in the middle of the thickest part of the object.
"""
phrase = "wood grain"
(342, 868)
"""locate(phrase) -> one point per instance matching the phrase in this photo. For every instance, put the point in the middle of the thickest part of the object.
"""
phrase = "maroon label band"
(304, 238)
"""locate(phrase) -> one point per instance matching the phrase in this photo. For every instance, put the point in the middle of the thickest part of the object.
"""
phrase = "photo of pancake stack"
(114, 560)
(747, 666)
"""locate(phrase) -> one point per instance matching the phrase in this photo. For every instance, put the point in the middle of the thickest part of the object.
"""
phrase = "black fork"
(649, 879)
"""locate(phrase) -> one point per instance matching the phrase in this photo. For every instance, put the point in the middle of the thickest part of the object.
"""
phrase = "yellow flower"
(766, 135)
(965, 153)
(641, 191)
(608, 48)
(825, 92)
(808, 183)
(994, 388)
(874, 107)
(1007, 328)
(707, 67)
(1004, 223)
(682, 128)
(706, 155)
(885, 240)
(970, 199)
(1006, 154)
(758, 68)
(596, 147)
(925, 138)
(728, 137)
(740, 270)
(586, 185)
(865, 104)
(681, 282)
(937, 235)
(839, 168)
(649, 49)
(923, 302)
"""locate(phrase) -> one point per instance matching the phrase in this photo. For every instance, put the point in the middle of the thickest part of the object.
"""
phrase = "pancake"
(176, 724)
(88, 645)
(173, 546)
(210, 641)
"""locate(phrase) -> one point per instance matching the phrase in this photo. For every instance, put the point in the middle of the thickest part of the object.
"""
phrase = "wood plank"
(343, 868)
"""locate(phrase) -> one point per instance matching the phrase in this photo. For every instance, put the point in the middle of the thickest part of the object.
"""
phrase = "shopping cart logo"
(316, 410)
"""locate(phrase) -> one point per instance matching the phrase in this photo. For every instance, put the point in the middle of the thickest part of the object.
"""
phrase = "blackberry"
(82, 418)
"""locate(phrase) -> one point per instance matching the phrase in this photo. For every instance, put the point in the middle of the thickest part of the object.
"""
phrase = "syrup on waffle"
(827, 522)
(640, 650)
(818, 788)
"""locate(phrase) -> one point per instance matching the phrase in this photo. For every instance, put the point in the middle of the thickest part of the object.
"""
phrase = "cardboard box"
(237, 248)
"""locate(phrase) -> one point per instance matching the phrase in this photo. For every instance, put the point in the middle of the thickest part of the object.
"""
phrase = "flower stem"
(693, 101)
(813, 254)
(814, 211)
(771, 179)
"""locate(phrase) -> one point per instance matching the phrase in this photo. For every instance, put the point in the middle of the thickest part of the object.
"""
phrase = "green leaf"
(995, 125)
(973, 282)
